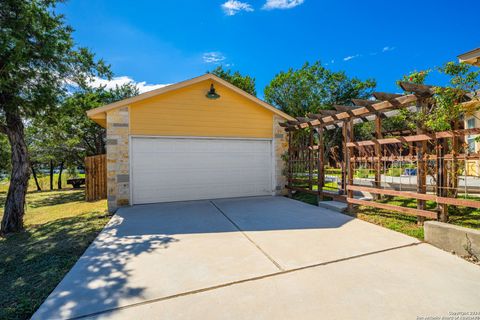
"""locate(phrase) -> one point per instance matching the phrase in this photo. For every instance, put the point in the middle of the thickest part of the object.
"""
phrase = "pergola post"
(344, 158)
(378, 155)
(442, 209)
(310, 160)
(421, 166)
(452, 180)
(349, 163)
(321, 164)
(289, 165)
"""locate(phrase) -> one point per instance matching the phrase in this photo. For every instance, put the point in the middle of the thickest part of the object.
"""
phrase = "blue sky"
(165, 41)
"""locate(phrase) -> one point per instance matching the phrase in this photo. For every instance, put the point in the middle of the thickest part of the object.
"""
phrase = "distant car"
(411, 172)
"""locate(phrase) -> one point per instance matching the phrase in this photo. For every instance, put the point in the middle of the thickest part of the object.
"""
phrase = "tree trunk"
(51, 175)
(12, 220)
(60, 176)
(34, 173)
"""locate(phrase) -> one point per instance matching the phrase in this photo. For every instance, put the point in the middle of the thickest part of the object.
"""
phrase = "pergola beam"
(327, 112)
(314, 118)
(415, 138)
(385, 96)
(348, 109)
(399, 102)
(343, 108)
(419, 89)
(363, 118)
(398, 132)
(364, 102)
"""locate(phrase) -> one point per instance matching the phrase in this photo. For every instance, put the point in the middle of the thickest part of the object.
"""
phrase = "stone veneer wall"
(280, 140)
(118, 169)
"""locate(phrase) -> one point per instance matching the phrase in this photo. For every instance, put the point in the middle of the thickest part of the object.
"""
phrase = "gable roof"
(99, 113)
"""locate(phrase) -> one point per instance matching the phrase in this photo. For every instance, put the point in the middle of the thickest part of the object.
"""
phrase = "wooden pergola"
(434, 157)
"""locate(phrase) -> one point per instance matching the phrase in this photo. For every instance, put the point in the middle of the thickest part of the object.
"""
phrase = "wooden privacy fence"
(96, 177)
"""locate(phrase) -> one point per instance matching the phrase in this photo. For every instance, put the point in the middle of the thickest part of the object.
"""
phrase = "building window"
(471, 145)
(471, 123)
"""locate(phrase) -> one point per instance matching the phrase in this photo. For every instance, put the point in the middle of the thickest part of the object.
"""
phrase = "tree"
(37, 58)
(90, 136)
(445, 108)
(313, 87)
(64, 138)
(246, 83)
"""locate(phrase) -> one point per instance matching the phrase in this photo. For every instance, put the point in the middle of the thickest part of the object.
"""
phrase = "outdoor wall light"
(212, 94)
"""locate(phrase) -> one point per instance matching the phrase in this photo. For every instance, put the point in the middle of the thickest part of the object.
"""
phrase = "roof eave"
(472, 57)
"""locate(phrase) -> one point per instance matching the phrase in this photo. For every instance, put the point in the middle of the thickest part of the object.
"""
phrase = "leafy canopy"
(445, 108)
(246, 83)
(90, 137)
(68, 135)
(313, 87)
(38, 57)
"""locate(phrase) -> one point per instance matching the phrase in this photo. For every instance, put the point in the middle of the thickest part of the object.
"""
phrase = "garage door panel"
(189, 165)
(171, 169)
(200, 173)
(186, 183)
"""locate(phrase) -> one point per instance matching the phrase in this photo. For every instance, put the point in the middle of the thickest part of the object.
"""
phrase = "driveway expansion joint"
(223, 285)
(279, 267)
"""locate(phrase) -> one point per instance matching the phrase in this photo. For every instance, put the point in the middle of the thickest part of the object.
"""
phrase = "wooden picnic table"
(77, 182)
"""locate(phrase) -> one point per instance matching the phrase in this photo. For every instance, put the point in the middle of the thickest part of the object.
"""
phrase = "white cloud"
(351, 57)
(329, 63)
(281, 4)
(385, 49)
(142, 86)
(213, 57)
(232, 7)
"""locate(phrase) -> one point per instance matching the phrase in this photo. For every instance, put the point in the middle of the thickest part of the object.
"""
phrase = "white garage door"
(175, 169)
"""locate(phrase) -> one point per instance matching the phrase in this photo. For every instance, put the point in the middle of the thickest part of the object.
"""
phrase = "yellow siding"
(187, 112)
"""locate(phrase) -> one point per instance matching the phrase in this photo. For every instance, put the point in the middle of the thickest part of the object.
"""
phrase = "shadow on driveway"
(158, 250)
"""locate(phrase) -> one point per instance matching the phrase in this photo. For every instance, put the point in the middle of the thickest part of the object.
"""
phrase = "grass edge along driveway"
(59, 226)
(460, 216)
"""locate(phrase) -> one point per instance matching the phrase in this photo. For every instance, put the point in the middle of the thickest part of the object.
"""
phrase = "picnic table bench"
(76, 183)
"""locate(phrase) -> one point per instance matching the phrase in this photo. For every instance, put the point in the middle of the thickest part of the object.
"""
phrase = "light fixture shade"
(212, 94)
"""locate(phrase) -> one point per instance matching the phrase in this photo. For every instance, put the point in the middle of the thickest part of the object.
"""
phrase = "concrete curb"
(459, 240)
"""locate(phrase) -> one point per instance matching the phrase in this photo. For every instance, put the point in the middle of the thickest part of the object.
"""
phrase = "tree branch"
(3, 128)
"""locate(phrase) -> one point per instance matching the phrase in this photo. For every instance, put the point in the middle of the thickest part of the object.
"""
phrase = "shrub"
(395, 172)
(362, 173)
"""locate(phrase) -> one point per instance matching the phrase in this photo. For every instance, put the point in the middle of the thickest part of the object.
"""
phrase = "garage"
(198, 139)
(177, 169)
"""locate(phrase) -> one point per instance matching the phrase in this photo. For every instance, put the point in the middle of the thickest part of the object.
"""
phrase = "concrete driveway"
(258, 258)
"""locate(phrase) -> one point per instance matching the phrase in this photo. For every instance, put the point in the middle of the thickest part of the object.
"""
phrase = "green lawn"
(461, 216)
(59, 227)
(392, 220)
(44, 182)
